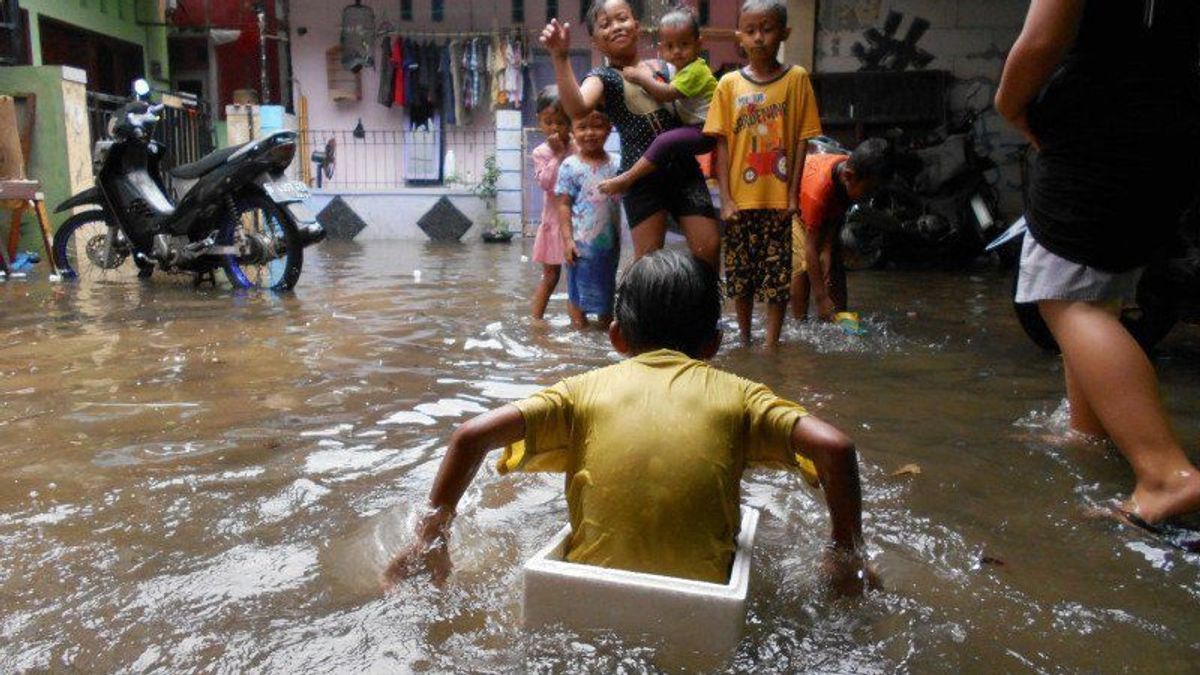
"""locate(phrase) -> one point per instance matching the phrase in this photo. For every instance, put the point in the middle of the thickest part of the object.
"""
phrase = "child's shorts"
(758, 255)
(677, 187)
(592, 282)
(799, 243)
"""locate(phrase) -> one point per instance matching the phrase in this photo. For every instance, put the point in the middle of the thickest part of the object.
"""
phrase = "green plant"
(487, 191)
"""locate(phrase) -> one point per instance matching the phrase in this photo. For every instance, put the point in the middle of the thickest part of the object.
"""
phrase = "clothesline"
(502, 32)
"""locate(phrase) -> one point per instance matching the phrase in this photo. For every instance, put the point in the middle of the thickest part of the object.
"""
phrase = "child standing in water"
(588, 219)
(762, 117)
(654, 447)
(678, 188)
(547, 247)
(690, 89)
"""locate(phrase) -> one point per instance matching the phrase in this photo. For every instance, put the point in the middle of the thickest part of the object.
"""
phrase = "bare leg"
(1112, 375)
(1083, 418)
(649, 234)
(775, 312)
(800, 296)
(578, 318)
(744, 306)
(703, 238)
(541, 297)
(621, 183)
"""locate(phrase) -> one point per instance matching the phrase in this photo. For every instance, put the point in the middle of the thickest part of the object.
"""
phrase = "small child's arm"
(836, 461)
(545, 169)
(566, 229)
(642, 76)
(577, 99)
(469, 444)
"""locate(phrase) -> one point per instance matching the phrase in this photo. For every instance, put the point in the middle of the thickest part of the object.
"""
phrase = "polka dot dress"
(637, 131)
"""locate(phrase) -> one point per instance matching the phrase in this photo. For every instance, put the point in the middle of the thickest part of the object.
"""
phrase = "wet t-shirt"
(653, 449)
(595, 216)
(636, 115)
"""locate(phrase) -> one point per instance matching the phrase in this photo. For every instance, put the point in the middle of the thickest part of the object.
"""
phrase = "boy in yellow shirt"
(762, 117)
(654, 447)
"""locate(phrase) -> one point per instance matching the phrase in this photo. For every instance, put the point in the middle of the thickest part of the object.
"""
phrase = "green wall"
(116, 18)
(49, 157)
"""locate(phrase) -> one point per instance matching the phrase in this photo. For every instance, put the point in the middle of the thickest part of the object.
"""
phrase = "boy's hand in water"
(847, 573)
(419, 556)
(556, 38)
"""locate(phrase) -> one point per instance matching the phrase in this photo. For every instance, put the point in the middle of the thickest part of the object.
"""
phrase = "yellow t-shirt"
(653, 449)
(763, 124)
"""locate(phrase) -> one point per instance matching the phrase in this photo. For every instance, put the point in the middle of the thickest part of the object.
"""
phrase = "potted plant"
(497, 229)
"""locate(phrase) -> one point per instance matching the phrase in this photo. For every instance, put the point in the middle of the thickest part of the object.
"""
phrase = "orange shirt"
(820, 199)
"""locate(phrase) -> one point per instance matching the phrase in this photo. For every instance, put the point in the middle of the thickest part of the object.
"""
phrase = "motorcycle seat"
(206, 164)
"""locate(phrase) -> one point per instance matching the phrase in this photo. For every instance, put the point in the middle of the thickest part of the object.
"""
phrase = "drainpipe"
(260, 11)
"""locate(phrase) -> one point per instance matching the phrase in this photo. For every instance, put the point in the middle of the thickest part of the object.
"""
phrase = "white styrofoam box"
(688, 616)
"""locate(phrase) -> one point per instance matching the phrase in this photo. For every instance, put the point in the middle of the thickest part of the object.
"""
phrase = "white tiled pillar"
(509, 159)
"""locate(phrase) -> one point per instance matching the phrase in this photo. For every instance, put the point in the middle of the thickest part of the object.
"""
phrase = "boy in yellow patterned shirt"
(762, 117)
(654, 447)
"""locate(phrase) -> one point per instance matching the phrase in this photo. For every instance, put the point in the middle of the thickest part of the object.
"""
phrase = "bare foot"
(614, 186)
(1179, 495)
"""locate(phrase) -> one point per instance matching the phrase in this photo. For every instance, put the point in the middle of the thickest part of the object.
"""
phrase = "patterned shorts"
(758, 255)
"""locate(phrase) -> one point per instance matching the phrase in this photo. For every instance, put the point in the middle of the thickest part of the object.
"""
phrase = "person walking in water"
(1118, 134)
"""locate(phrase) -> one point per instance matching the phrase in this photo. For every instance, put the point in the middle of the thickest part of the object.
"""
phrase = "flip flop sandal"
(1180, 537)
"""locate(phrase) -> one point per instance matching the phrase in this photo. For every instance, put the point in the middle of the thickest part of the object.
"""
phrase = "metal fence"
(383, 161)
(185, 127)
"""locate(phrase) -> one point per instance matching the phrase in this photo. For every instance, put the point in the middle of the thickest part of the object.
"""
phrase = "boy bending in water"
(690, 89)
(654, 446)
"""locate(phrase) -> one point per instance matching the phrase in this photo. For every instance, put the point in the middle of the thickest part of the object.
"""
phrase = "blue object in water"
(24, 260)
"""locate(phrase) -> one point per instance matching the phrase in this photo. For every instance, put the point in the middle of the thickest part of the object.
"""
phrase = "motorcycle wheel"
(262, 222)
(1149, 322)
(862, 248)
(88, 247)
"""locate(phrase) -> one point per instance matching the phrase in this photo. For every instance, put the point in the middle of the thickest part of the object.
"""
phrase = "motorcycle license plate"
(284, 193)
(300, 213)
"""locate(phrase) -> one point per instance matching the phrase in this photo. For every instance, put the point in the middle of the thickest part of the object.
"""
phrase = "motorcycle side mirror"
(141, 88)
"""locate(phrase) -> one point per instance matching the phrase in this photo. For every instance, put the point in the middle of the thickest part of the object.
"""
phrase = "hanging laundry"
(446, 84)
(514, 82)
(497, 68)
(456, 80)
(398, 83)
(387, 73)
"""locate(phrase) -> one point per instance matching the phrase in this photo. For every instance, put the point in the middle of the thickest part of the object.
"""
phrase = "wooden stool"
(19, 196)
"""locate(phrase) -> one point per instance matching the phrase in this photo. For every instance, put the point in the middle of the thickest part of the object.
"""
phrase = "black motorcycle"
(241, 215)
(939, 209)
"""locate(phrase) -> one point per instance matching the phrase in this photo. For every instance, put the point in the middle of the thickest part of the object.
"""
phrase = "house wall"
(116, 18)
(968, 38)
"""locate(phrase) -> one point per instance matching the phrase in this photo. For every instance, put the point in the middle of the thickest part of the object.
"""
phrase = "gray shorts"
(1046, 276)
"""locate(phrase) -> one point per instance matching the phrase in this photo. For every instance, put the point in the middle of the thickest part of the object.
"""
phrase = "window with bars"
(551, 10)
(406, 12)
(518, 11)
(438, 10)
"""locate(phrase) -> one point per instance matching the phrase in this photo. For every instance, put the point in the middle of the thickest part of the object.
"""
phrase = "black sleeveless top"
(1119, 124)
(639, 127)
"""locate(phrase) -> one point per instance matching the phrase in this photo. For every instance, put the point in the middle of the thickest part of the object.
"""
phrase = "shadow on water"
(195, 479)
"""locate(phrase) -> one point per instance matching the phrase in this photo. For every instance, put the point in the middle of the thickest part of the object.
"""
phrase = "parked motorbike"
(938, 209)
(1168, 292)
(241, 215)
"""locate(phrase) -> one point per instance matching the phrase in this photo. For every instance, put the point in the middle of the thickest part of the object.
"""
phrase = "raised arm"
(837, 467)
(1049, 32)
(545, 167)
(577, 100)
(469, 444)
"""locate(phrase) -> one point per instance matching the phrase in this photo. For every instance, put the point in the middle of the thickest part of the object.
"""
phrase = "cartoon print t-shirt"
(763, 123)
(595, 216)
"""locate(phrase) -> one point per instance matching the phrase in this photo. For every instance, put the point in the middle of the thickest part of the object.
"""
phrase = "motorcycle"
(240, 215)
(1169, 290)
(939, 208)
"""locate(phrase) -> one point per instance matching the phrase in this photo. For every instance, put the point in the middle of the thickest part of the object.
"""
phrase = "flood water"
(207, 481)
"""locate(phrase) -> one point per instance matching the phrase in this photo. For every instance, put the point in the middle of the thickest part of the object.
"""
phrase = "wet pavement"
(206, 481)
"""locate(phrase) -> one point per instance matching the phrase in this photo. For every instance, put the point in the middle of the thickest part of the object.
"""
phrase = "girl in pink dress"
(548, 246)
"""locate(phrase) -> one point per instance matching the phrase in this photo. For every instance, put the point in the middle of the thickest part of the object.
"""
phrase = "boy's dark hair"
(669, 300)
(547, 97)
(681, 15)
(597, 6)
(872, 160)
(776, 7)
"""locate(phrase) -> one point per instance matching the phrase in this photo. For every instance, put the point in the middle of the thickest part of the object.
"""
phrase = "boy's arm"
(1050, 30)
(566, 229)
(795, 171)
(642, 76)
(577, 99)
(836, 461)
(818, 276)
(728, 208)
(469, 444)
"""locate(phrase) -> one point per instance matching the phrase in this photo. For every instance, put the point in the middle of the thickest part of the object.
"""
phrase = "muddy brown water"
(207, 481)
